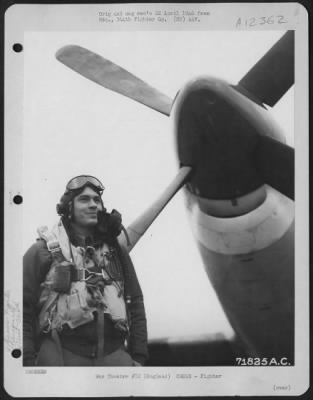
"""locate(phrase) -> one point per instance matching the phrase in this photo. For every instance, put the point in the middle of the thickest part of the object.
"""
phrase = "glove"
(109, 225)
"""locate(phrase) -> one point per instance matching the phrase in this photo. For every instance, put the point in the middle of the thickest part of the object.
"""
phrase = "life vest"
(98, 283)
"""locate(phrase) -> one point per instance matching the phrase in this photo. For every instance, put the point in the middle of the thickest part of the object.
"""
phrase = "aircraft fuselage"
(244, 229)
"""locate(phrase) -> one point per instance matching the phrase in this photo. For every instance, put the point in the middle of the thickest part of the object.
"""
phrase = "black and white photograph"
(156, 200)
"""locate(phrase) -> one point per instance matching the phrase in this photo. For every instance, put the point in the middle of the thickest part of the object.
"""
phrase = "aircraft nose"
(216, 141)
(192, 117)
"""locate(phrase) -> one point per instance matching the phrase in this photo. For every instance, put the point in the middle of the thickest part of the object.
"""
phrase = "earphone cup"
(61, 209)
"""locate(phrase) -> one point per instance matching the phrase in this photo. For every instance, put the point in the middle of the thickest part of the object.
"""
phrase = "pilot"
(82, 302)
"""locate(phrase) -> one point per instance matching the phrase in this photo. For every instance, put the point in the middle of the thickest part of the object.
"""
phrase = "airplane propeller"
(137, 229)
(275, 162)
(113, 77)
(273, 74)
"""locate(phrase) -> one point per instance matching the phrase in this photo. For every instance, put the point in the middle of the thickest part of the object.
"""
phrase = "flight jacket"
(36, 264)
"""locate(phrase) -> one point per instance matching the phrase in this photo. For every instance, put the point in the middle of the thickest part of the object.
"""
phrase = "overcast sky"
(73, 126)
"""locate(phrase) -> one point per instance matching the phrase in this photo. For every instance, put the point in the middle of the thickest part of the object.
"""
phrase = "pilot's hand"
(136, 364)
(109, 225)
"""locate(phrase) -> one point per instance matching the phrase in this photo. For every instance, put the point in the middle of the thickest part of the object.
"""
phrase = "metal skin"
(244, 229)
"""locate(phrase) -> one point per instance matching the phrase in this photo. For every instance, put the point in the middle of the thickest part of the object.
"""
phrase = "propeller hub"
(216, 140)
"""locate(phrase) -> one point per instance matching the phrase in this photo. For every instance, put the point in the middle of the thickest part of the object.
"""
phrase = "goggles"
(83, 180)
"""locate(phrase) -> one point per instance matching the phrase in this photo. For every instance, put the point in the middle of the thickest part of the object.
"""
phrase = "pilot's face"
(85, 208)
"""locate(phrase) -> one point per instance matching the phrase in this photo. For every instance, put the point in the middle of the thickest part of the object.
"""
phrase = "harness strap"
(100, 334)
(56, 339)
(54, 248)
(45, 309)
(52, 242)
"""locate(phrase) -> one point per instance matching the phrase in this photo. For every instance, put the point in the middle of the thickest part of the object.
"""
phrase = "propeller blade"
(113, 77)
(275, 163)
(273, 74)
(137, 229)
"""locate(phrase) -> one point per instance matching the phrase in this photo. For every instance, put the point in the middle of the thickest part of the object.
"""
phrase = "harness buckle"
(53, 246)
(48, 329)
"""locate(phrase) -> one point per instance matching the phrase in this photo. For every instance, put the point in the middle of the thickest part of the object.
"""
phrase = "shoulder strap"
(52, 242)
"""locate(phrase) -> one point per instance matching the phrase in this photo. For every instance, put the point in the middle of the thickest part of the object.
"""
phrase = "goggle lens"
(80, 181)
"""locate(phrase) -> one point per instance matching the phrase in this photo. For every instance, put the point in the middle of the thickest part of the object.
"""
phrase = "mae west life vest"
(98, 284)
